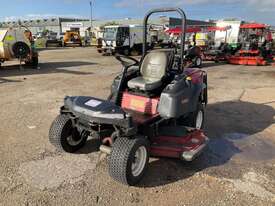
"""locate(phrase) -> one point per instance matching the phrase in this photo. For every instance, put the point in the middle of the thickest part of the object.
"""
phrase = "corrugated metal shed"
(60, 24)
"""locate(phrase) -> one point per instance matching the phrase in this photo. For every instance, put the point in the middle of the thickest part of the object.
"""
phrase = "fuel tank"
(182, 95)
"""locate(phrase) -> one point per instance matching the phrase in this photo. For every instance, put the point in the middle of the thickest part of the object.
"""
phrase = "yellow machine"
(16, 43)
(72, 38)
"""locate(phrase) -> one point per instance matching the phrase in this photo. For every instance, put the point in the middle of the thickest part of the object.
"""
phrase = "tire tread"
(56, 131)
(119, 158)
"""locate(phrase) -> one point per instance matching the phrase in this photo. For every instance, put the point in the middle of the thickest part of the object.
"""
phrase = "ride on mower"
(192, 53)
(221, 52)
(156, 108)
(255, 48)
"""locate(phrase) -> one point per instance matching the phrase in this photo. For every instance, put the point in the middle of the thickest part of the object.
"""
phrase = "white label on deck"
(93, 103)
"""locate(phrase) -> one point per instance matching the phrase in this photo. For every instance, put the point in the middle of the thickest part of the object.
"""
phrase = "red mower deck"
(252, 61)
(254, 49)
(185, 147)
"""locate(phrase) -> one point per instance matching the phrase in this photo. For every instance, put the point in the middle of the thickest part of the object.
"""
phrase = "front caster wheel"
(129, 160)
(64, 136)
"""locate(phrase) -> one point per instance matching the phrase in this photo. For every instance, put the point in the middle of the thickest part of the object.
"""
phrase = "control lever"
(188, 81)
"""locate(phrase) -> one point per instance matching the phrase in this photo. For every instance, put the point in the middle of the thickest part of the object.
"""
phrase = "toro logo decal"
(137, 103)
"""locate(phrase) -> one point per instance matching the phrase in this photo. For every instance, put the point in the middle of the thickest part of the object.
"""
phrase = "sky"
(253, 10)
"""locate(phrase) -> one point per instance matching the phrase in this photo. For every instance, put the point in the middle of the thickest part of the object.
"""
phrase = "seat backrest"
(154, 65)
(193, 51)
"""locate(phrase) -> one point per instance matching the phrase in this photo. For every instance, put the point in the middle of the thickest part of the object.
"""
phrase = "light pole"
(91, 5)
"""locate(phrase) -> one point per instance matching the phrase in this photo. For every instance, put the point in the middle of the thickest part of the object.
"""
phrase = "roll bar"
(162, 10)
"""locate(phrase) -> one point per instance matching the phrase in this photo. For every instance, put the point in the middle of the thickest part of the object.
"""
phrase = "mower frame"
(132, 126)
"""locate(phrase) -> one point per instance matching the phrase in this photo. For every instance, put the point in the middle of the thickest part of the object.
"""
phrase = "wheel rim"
(74, 139)
(139, 161)
(199, 120)
(198, 61)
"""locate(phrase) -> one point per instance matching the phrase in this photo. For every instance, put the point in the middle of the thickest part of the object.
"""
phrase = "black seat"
(153, 70)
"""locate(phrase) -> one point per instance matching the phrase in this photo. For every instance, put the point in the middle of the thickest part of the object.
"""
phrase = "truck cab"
(116, 39)
(122, 39)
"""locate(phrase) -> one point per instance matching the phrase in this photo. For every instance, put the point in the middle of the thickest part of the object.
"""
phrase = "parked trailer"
(122, 39)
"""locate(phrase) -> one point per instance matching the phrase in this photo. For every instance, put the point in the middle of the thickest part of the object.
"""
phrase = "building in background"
(40, 25)
(61, 25)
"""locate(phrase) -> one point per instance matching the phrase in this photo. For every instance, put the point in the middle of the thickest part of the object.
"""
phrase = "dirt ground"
(238, 168)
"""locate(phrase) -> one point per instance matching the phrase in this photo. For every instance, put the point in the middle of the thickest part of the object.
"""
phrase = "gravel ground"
(238, 168)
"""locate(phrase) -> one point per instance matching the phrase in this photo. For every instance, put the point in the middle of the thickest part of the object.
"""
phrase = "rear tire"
(129, 160)
(198, 62)
(194, 119)
(64, 136)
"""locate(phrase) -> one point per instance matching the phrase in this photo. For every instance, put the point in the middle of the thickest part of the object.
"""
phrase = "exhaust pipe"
(105, 149)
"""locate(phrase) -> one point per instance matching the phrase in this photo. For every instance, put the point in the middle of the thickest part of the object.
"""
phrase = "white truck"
(122, 39)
